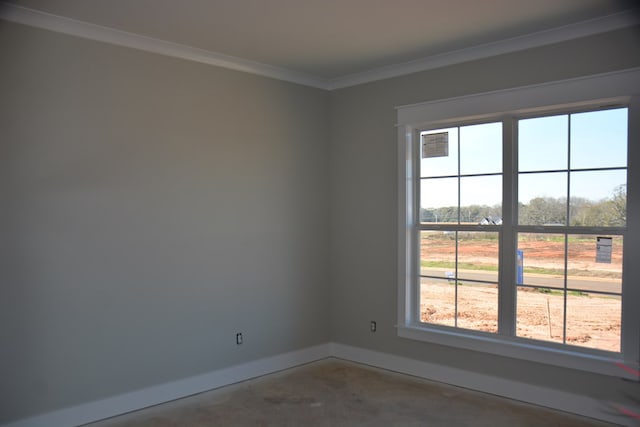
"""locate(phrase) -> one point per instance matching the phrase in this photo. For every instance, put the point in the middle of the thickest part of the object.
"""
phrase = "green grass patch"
(557, 292)
(574, 272)
(541, 270)
(461, 265)
(578, 294)
(449, 265)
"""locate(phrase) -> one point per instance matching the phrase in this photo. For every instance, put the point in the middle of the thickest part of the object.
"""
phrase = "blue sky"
(598, 139)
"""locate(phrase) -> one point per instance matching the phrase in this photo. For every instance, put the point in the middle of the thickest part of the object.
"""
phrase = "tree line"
(609, 212)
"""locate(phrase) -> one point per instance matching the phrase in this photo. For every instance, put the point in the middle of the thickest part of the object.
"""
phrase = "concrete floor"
(332, 392)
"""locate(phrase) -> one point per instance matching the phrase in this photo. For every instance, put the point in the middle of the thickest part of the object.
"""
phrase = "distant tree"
(448, 214)
(619, 205)
(579, 207)
(611, 212)
(427, 215)
(598, 214)
(544, 210)
(472, 214)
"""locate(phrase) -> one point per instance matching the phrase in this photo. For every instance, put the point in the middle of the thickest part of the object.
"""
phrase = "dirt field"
(540, 316)
(592, 320)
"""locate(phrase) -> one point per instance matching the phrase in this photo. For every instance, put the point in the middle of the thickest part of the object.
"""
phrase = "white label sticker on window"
(435, 145)
(603, 249)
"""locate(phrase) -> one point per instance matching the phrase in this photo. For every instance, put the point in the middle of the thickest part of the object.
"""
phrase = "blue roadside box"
(520, 264)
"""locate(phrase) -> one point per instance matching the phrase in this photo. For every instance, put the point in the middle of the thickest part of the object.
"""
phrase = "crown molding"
(568, 32)
(60, 24)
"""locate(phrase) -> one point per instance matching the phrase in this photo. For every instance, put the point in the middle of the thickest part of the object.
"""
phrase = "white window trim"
(591, 91)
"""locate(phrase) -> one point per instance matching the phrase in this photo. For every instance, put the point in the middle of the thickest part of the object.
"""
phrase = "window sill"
(533, 351)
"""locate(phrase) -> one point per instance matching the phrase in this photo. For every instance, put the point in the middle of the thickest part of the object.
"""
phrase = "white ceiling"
(331, 39)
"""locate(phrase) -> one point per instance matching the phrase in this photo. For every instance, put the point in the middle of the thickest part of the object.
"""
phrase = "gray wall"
(364, 197)
(150, 208)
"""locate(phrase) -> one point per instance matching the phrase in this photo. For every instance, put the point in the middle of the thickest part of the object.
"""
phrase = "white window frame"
(598, 91)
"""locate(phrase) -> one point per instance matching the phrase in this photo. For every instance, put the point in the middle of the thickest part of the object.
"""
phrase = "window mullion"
(566, 234)
(507, 271)
(631, 271)
(457, 234)
(416, 282)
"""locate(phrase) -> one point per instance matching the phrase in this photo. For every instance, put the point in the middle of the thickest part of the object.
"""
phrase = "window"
(571, 222)
(460, 201)
(517, 222)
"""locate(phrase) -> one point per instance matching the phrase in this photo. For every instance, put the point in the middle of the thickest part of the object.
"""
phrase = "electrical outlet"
(239, 338)
(374, 326)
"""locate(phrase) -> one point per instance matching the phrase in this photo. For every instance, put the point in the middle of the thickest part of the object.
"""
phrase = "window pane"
(438, 253)
(542, 257)
(481, 199)
(540, 314)
(478, 256)
(542, 198)
(599, 139)
(542, 143)
(593, 321)
(478, 306)
(594, 263)
(438, 301)
(481, 148)
(439, 157)
(599, 198)
(439, 200)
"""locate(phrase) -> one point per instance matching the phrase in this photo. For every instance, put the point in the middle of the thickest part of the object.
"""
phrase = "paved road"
(542, 280)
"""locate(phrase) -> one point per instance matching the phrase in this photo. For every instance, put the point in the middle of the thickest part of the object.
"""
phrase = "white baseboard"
(537, 395)
(128, 402)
